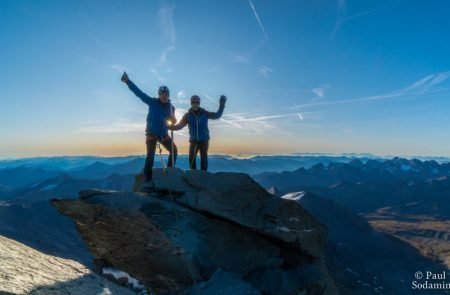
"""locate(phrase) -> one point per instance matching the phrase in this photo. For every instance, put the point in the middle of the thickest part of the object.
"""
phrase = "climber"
(161, 114)
(197, 120)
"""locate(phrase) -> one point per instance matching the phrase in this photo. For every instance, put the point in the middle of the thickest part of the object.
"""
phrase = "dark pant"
(194, 147)
(151, 142)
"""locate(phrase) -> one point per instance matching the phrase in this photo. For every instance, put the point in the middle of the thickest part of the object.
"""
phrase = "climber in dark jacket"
(161, 113)
(197, 120)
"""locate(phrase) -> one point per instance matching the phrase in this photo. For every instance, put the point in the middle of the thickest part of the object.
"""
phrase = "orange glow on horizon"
(137, 147)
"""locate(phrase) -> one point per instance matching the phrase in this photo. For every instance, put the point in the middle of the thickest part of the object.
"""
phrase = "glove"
(222, 100)
(125, 78)
(170, 123)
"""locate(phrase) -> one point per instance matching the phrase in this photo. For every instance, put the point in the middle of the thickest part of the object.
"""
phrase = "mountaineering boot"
(147, 186)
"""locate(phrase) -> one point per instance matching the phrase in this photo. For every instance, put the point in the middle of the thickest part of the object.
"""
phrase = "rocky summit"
(25, 271)
(204, 233)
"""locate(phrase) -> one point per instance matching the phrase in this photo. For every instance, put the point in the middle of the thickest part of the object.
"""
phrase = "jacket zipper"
(196, 119)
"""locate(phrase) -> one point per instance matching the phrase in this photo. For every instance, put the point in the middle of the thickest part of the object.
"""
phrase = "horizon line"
(240, 155)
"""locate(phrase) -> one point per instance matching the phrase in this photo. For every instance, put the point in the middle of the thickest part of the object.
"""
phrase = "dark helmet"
(195, 98)
(163, 89)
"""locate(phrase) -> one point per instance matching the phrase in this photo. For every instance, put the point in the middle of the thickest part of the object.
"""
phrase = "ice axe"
(173, 140)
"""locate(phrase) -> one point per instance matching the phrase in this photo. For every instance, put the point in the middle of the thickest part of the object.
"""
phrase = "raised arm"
(144, 97)
(183, 122)
(218, 114)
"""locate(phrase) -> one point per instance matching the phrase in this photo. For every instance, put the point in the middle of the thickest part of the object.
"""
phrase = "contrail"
(421, 86)
(209, 97)
(264, 118)
(339, 23)
(232, 123)
(257, 18)
(369, 11)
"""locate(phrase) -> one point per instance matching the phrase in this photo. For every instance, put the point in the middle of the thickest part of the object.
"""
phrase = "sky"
(325, 76)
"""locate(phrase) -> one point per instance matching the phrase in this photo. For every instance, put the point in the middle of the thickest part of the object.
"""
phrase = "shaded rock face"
(236, 197)
(203, 233)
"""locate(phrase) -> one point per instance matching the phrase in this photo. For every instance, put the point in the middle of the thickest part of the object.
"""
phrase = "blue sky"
(301, 76)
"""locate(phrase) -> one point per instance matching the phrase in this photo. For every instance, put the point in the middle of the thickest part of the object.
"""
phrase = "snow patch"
(293, 196)
(287, 230)
(284, 229)
(119, 274)
(4, 204)
(293, 219)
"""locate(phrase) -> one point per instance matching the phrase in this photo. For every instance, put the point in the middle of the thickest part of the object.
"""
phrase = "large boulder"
(236, 197)
(203, 230)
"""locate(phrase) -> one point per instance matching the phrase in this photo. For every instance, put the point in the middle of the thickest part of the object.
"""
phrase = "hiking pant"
(194, 147)
(151, 142)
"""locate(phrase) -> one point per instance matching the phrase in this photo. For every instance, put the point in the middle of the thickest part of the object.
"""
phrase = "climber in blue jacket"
(161, 114)
(197, 120)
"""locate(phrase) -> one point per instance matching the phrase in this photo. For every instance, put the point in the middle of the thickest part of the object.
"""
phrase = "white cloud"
(265, 71)
(163, 56)
(181, 98)
(320, 91)
(181, 94)
(416, 88)
(166, 22)
(167, 29)
(161, 66)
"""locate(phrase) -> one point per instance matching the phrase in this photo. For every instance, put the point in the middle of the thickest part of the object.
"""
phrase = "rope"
(163, 163)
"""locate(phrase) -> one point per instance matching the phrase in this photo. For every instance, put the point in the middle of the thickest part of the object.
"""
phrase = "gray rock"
(223, 283)
(212, 243)
(238, 198)
(23, 270)
(84, 194)
(171, 180)
(197, 223)
(305, 279)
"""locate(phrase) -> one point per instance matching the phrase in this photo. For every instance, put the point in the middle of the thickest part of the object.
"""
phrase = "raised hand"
(222, 99)
(125, 78)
